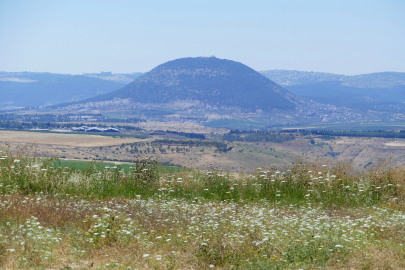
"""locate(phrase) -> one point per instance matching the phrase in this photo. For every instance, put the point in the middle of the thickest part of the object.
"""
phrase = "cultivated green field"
(234, 124)
(355, 126)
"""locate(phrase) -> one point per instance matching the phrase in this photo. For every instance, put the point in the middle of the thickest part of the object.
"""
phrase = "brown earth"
(179, 125)
(77, 140)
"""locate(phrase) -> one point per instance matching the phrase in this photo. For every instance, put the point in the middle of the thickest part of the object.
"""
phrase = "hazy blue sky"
(343, 36)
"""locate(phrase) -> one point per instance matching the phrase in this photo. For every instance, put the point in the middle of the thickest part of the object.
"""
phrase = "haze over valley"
(209, 88)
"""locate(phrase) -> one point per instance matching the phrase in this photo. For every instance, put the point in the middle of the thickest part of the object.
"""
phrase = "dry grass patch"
(375, 258)
(76, 140)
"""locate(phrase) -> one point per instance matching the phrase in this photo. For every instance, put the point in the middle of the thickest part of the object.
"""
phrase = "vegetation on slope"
(215, 82)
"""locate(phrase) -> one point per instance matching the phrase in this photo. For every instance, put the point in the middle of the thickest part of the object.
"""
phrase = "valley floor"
(244, 156)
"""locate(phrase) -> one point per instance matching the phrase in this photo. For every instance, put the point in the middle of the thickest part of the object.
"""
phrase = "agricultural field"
(305, 216)
(233, 156)
(234, 124)
(62, 139)
(180, 125)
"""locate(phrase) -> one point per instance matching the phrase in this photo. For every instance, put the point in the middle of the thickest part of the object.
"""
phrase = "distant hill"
(29, 89)
(295, 77)
(375, 80)
(384, 91)
(213, 81)
(123, 78)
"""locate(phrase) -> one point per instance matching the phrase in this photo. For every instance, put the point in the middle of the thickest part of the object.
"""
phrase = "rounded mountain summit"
(210, 80)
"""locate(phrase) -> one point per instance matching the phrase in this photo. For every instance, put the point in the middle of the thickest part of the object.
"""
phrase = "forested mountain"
(213, 81)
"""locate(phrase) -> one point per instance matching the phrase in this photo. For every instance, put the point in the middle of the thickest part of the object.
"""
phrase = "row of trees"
(221, 146)
(188, 134)
(352, 133)
(257, 136)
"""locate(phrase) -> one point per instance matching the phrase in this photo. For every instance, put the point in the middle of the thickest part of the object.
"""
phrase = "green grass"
(234, 124)
(355, 126)
(243, 124)
(301, 184)
(310, 216)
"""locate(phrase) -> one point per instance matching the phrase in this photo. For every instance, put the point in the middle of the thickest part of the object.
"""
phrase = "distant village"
(81, 129)
(310, 112)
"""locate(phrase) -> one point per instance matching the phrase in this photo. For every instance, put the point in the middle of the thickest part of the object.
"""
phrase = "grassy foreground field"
(308, 216)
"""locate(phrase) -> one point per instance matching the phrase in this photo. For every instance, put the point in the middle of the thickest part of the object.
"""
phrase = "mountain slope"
(28, 89)
(213, 81)
(115, 77)
(383, 91)
(295, 77)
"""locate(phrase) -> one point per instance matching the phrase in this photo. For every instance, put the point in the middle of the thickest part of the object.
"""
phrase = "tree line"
(257, 136)
(221, 146)
(352, 133)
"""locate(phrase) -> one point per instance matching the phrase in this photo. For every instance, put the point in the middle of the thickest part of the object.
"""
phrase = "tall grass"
(301, 183)
(305, 216)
